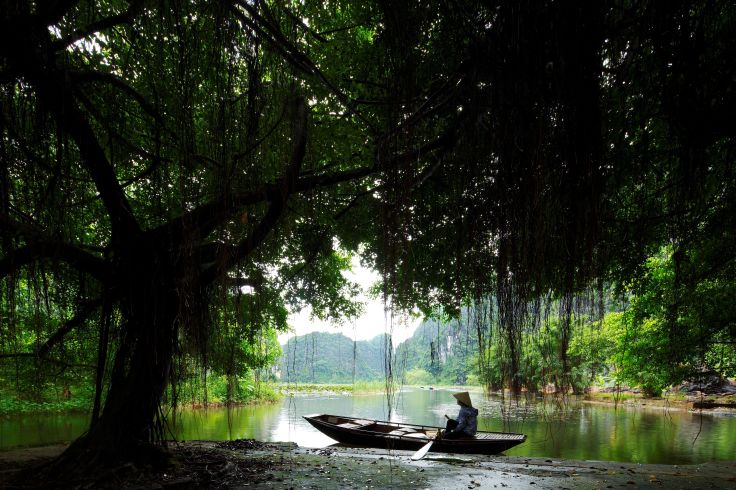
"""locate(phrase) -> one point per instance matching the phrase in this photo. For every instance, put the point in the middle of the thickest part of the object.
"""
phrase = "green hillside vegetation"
(627, 346)
(321, 357)
(439, 352)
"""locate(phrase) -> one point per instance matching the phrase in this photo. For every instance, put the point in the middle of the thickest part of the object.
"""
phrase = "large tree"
(150, 154)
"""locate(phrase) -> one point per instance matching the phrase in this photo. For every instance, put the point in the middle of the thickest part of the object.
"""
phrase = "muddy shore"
(249, 464)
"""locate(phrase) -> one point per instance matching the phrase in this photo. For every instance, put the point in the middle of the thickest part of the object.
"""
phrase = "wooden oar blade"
(422, 451)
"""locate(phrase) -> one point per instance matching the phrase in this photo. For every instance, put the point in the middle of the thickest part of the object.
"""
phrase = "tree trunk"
(130, 420)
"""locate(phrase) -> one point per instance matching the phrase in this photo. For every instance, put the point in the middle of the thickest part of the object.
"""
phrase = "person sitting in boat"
(466, 424)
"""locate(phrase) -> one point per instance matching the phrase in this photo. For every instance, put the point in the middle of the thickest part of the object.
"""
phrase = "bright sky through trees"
(374, 320)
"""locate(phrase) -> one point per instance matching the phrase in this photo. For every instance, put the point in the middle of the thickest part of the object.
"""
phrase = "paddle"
(425, 449)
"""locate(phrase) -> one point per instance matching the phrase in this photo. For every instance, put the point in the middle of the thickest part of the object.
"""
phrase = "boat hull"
(397, 436)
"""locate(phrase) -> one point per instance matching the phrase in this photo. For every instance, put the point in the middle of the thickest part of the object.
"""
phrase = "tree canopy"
(177, 173)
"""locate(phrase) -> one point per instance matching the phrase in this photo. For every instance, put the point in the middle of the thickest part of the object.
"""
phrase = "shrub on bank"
(52, 398)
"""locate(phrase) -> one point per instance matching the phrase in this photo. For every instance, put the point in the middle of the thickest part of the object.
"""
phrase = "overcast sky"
(374, 320)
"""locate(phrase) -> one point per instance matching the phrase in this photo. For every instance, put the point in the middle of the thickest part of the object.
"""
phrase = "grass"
(360, 387)
(669, 399)
(244, 392)
(613, 397)
(80, 400)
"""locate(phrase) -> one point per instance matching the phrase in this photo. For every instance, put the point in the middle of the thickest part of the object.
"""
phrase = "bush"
(48, 399)
(418, 376)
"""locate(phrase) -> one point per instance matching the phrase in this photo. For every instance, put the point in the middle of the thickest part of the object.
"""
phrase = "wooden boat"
(393, 435)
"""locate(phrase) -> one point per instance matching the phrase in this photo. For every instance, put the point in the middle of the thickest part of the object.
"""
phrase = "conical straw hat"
(463, 397)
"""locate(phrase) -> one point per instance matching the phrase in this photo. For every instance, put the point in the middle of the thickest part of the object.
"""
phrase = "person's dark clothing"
(466, 424)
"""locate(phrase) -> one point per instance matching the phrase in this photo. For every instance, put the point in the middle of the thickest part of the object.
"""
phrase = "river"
(569, 430)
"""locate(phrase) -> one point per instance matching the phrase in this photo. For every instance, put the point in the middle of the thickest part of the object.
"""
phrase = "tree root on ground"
(214, 465)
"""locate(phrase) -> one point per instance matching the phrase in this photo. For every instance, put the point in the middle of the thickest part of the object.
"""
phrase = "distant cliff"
(438, 352)
(322, 357)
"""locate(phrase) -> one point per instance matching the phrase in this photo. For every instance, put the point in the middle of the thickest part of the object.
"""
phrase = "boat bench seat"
(399, 432)
(413, 433)
(356, 424)
(417, 435)
(409, 433)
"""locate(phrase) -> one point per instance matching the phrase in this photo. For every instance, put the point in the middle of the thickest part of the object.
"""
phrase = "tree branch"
(87, 309)
(40, 247)
(300, 23)
(51, 12)
(327, 235)
(103, 24)
(278, 203)
(56, 93)
(155, 160)
(13, 227)
(267, 28)
(33, 355)
(38, 250)
(109, 78)
(212, 214)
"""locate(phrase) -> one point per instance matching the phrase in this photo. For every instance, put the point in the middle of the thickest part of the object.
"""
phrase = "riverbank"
(273, 392)
(357, 388)
(725, 403)
(253, 464)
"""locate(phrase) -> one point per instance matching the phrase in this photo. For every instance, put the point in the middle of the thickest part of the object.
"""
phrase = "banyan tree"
(160, 158)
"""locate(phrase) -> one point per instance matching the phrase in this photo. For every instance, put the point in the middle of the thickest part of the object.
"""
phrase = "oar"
(424, 449)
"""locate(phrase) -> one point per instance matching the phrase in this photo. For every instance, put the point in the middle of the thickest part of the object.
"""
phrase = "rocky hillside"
(321, 357)
(437, 353)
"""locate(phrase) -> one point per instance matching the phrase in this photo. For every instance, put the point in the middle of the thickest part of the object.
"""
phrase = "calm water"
(573, 430)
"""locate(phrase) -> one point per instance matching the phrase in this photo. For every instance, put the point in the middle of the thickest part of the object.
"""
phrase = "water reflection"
(555, 429)
(38, 430)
